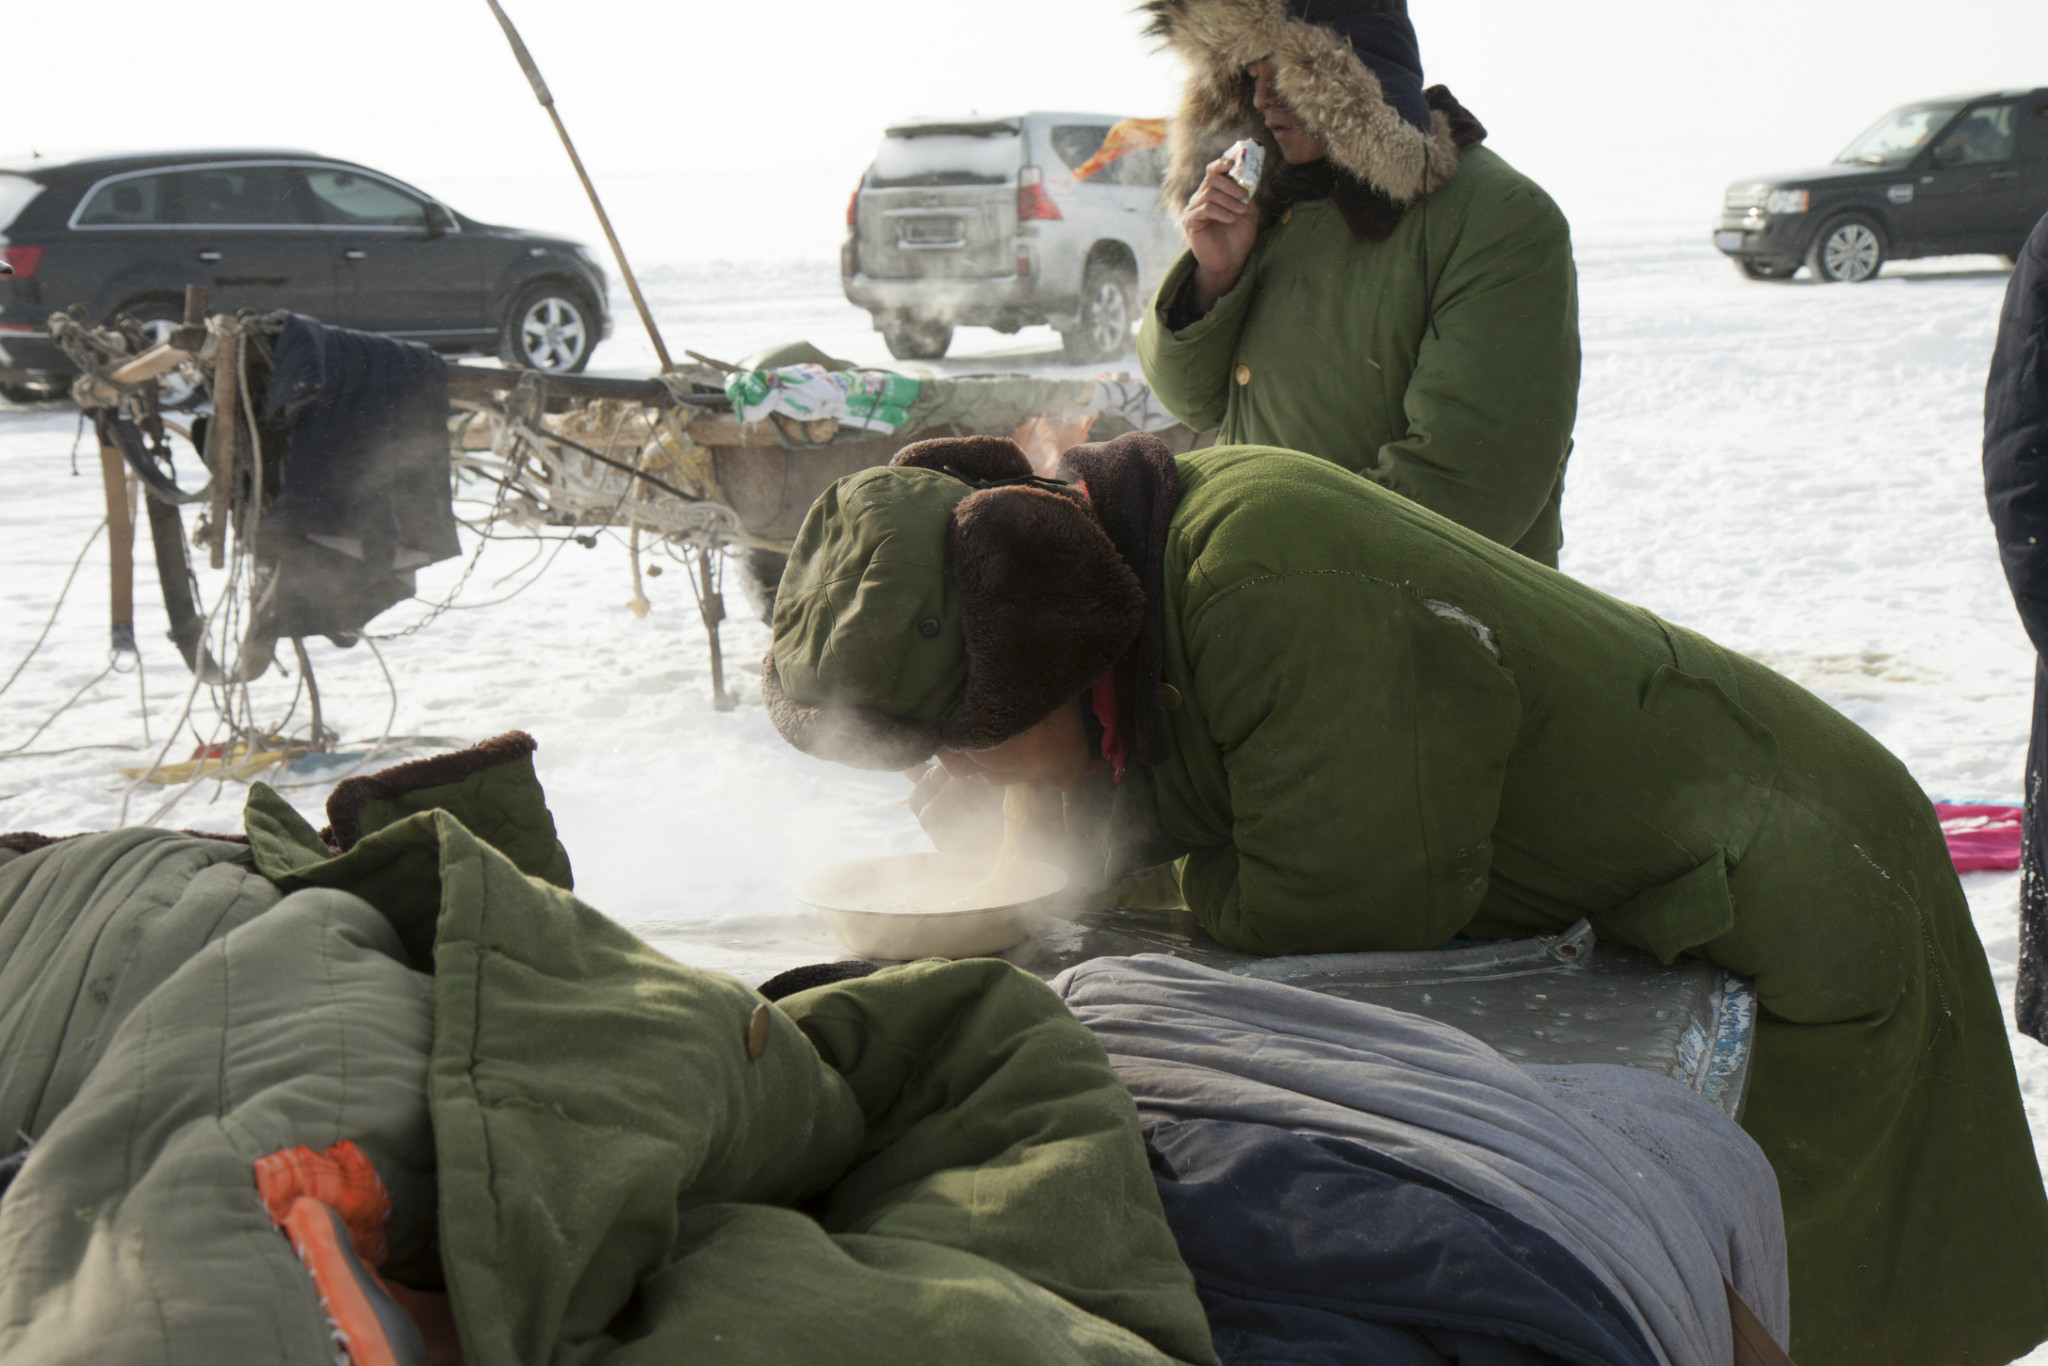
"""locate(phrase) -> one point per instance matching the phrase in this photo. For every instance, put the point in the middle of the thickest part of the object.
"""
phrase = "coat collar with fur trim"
(1319, 75)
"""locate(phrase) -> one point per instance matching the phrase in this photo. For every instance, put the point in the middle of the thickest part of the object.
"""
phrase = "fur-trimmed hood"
(1320, 74)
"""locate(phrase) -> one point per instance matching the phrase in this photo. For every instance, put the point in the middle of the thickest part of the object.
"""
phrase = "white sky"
(1618, 105)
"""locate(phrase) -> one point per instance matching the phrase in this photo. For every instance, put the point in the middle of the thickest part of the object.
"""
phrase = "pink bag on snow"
(1981, 838)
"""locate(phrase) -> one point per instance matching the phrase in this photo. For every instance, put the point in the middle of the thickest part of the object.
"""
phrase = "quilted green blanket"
(600, 1155)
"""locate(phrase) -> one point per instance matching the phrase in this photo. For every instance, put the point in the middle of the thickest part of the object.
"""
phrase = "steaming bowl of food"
(932, 905)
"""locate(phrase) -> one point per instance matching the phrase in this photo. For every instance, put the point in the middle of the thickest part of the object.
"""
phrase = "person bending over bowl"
(1367, 728)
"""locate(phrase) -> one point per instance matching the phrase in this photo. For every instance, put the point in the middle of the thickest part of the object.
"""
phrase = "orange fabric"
(310, 1226)
(1131, 135)
(341, 1179)
(303, 1192)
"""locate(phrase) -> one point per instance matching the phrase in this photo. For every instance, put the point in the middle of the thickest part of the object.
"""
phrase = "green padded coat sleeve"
(89, 928)
(620, 1137)
(133, 1235)
(1189, 370)
(997, 1127)
(1364, 771)
(1491, 403)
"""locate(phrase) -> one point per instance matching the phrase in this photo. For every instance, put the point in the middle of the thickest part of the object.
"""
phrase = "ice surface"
(1791, 469)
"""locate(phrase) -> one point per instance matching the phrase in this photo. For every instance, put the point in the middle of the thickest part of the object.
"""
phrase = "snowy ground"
(1791, 469)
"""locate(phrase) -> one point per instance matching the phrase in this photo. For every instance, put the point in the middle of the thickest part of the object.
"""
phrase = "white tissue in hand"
(1244, 163)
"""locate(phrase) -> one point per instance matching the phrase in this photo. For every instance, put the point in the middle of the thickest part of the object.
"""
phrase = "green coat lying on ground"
(935, 1163)
(1395, 732)
(1321, 347)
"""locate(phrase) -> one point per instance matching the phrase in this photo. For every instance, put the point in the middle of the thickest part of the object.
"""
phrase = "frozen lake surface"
(1791, 469)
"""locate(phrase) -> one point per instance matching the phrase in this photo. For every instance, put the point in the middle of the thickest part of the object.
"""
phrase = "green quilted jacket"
(1394, 731)
(607, 1157)
(1321, 347)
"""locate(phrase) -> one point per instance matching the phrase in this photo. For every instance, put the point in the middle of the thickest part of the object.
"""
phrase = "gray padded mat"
(1552, 999)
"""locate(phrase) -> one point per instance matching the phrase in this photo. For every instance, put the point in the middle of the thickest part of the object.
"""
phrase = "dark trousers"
(2030, 1009)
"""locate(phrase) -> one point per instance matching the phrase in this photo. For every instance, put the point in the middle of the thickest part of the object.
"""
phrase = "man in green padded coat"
(1394, 297)
(1367, 728)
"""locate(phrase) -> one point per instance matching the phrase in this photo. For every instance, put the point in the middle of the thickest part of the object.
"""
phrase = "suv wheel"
(1849, 250)
(25, 394)
(550, 327)
(1108, 303)
(916, 338)
(179, 388)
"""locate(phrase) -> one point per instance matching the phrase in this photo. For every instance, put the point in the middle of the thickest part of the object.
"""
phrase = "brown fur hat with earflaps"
(1321, 75)
(1045, 607)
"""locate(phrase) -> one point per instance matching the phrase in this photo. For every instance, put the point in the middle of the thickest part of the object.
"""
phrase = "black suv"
(270, 230)
(1940, 178)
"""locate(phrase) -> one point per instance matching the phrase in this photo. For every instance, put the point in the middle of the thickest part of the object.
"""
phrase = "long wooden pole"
(711, 607)
(120, 549)
(547, 102)
(220, 444)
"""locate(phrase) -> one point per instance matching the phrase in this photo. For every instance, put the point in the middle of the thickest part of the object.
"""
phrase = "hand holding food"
(1221, 221)
(1244, 161)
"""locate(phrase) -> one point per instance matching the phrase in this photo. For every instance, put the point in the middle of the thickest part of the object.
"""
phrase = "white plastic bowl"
(905, 906)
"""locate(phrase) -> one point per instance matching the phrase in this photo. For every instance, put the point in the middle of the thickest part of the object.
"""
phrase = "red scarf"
(1102, 696)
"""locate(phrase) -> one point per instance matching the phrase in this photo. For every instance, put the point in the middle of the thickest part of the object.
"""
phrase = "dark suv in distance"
(270, 230)
(1946, 177)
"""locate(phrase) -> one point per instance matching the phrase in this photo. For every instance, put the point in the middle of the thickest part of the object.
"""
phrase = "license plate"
(929, 231)
(1728, 241)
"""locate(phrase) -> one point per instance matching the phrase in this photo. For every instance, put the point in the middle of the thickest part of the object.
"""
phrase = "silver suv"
(1003, 223)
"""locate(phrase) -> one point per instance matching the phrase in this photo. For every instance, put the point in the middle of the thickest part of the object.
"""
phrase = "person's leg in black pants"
(2030, 1010)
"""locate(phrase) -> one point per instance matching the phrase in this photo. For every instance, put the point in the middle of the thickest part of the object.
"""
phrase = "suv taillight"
(23, 259)
(852, 206)
(1032, 200)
